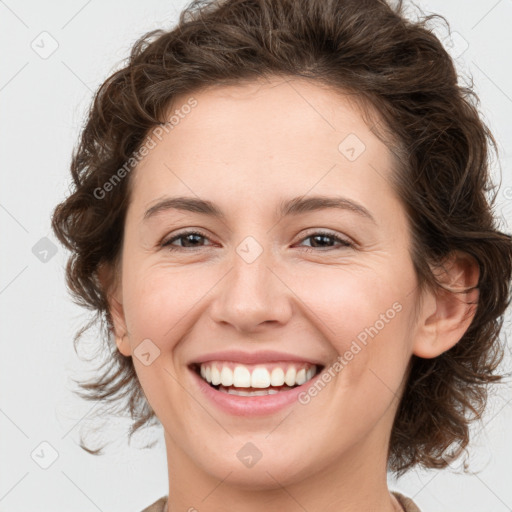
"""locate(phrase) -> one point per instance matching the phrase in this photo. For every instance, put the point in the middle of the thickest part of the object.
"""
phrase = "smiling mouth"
(255, 379)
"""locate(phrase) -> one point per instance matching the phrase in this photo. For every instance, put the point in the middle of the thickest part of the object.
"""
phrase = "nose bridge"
(251, 272)
(252, 293)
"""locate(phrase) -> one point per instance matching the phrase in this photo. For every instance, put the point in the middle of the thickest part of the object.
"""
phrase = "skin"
(246, 148)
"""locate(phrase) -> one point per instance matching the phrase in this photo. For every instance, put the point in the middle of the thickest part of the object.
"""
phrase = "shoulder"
(158, 506)
(407, 504)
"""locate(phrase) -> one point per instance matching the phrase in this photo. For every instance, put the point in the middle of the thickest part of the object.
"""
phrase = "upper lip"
(262, 356)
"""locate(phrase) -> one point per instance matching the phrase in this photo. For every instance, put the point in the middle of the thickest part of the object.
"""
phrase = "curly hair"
(401, 70)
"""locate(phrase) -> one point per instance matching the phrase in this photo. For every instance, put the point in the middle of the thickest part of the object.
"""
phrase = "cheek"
(365, 316)
(157, 300)
(347, 301)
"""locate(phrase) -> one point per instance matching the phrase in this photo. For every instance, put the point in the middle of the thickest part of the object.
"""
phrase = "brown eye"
(192, 240)
(190, 237)
(320, 240)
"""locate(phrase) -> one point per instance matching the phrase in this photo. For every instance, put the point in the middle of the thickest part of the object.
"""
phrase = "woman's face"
(261, 290)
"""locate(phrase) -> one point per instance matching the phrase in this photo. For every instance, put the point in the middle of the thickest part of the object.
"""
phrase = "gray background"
(44, 97)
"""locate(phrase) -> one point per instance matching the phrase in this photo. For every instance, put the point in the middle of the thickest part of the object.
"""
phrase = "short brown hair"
(430, 122)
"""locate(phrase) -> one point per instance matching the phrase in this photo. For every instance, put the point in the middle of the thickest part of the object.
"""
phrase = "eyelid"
(340, 239)
(326, 232)
(165, 242)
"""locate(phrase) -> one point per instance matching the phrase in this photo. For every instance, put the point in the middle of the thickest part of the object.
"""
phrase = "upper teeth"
(255, 376)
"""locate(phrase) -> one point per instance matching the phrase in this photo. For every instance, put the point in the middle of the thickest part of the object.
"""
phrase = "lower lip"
(251, 405)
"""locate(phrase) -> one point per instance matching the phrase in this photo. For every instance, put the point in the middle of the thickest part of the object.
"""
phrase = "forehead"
(265, 137)
(280, 104)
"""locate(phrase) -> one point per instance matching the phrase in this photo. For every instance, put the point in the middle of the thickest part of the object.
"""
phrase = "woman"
(280, 211)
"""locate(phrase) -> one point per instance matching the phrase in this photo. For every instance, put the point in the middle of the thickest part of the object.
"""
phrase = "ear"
(445, 316)
(111, 284)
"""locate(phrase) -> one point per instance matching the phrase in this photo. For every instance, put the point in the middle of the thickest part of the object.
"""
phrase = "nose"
(253, 295)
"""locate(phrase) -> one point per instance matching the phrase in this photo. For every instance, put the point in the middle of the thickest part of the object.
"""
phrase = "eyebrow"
(295, 206)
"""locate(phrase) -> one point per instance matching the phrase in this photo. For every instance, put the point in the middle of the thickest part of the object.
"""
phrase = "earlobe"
(112, 289)
(119, 326)
(123, 345)
(446, 314)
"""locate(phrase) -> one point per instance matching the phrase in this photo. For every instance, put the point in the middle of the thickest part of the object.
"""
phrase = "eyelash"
(344, 243)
